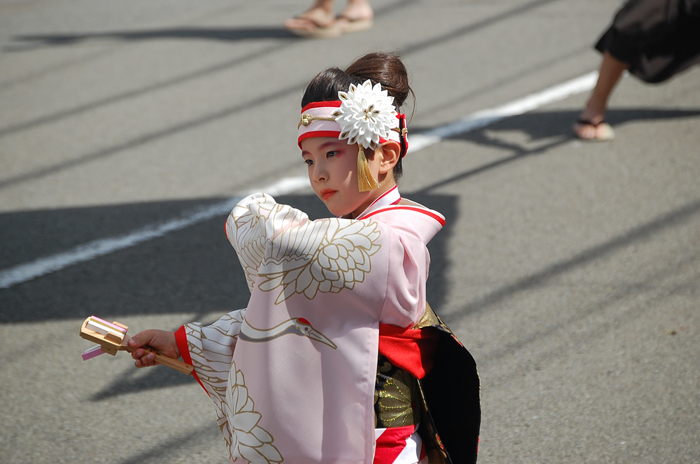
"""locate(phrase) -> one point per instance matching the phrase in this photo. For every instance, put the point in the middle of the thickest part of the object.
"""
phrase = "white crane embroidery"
(296, 326)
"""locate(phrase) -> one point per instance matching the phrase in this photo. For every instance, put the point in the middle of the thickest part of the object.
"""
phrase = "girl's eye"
(331, 154)
(308, 162)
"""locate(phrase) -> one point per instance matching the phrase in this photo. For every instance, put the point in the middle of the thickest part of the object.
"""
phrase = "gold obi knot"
(397, 401)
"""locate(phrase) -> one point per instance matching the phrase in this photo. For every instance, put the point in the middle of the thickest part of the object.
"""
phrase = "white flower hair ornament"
(364, 115)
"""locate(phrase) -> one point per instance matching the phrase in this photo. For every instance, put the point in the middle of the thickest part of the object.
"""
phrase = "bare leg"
(611, 70)
(358, 9)
(357, 16)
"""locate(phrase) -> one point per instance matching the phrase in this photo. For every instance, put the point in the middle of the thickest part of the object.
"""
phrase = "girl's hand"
(160, 340)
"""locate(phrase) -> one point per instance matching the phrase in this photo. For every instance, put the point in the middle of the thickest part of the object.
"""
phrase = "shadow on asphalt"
(168, 450)
(191, 271)
(546, 130)
(134, 381)
(184, 33)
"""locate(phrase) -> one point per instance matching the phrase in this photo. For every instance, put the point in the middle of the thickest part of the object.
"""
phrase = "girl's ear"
(390, 155)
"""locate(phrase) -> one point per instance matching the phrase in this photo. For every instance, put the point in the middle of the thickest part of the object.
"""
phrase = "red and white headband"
(364, 115)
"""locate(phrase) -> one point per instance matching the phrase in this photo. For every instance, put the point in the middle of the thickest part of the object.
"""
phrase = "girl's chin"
(336, 211)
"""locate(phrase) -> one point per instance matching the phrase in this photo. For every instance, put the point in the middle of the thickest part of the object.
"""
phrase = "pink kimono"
(292, 376)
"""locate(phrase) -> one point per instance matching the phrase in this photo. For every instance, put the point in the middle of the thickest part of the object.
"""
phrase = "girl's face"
(332, 166)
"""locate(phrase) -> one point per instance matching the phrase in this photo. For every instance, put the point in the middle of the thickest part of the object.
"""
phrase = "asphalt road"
(570, 270)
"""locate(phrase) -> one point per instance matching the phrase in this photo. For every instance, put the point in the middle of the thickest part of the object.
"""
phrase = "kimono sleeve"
(210, 351)
(254, 223)
(409, 263)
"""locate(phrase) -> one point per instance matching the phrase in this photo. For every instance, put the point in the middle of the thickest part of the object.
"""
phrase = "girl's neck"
(384, 187)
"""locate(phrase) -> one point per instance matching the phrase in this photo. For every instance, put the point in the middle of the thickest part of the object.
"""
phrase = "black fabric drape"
(658, 38)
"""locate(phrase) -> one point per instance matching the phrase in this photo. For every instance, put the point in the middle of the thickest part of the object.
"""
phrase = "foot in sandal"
(347, 25)
(314, 23)
(600, 131)
(357, 16)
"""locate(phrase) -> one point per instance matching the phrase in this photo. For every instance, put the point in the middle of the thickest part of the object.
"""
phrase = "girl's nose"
(320, 173)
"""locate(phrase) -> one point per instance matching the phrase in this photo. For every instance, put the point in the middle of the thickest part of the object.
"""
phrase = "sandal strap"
(586, 122)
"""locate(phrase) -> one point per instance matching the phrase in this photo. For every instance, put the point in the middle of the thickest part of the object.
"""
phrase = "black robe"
(657, 38)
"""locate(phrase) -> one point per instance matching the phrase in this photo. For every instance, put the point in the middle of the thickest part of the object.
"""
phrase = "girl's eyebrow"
(330, 142)
(323, 146)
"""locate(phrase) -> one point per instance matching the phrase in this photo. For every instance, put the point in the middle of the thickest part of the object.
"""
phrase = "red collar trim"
(427, 212)
(388, 198)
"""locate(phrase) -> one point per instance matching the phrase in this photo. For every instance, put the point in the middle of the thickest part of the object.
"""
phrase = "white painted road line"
(489, 116)
(86, 252)
(101, 247)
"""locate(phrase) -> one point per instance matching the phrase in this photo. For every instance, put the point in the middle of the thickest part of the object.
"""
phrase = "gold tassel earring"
(365, 181)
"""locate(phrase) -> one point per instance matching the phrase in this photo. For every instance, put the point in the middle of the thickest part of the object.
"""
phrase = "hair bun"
(386, 69)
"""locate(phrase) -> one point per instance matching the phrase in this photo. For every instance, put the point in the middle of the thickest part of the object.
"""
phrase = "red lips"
(327, 193)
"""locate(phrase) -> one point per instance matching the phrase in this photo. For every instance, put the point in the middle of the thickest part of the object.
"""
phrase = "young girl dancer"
(337, 353)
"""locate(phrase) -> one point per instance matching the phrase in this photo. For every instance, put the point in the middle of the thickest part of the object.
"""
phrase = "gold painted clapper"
(111, 337)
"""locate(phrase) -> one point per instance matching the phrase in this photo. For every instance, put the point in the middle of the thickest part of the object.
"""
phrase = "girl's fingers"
(143, 355)
(160, 340)
(142, 360)
(141, 338)
(139, 353)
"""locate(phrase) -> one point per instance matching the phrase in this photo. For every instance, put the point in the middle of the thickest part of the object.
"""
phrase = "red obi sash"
(410, 349)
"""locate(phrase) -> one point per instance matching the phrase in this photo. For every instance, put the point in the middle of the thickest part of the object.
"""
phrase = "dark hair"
(386, 69)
